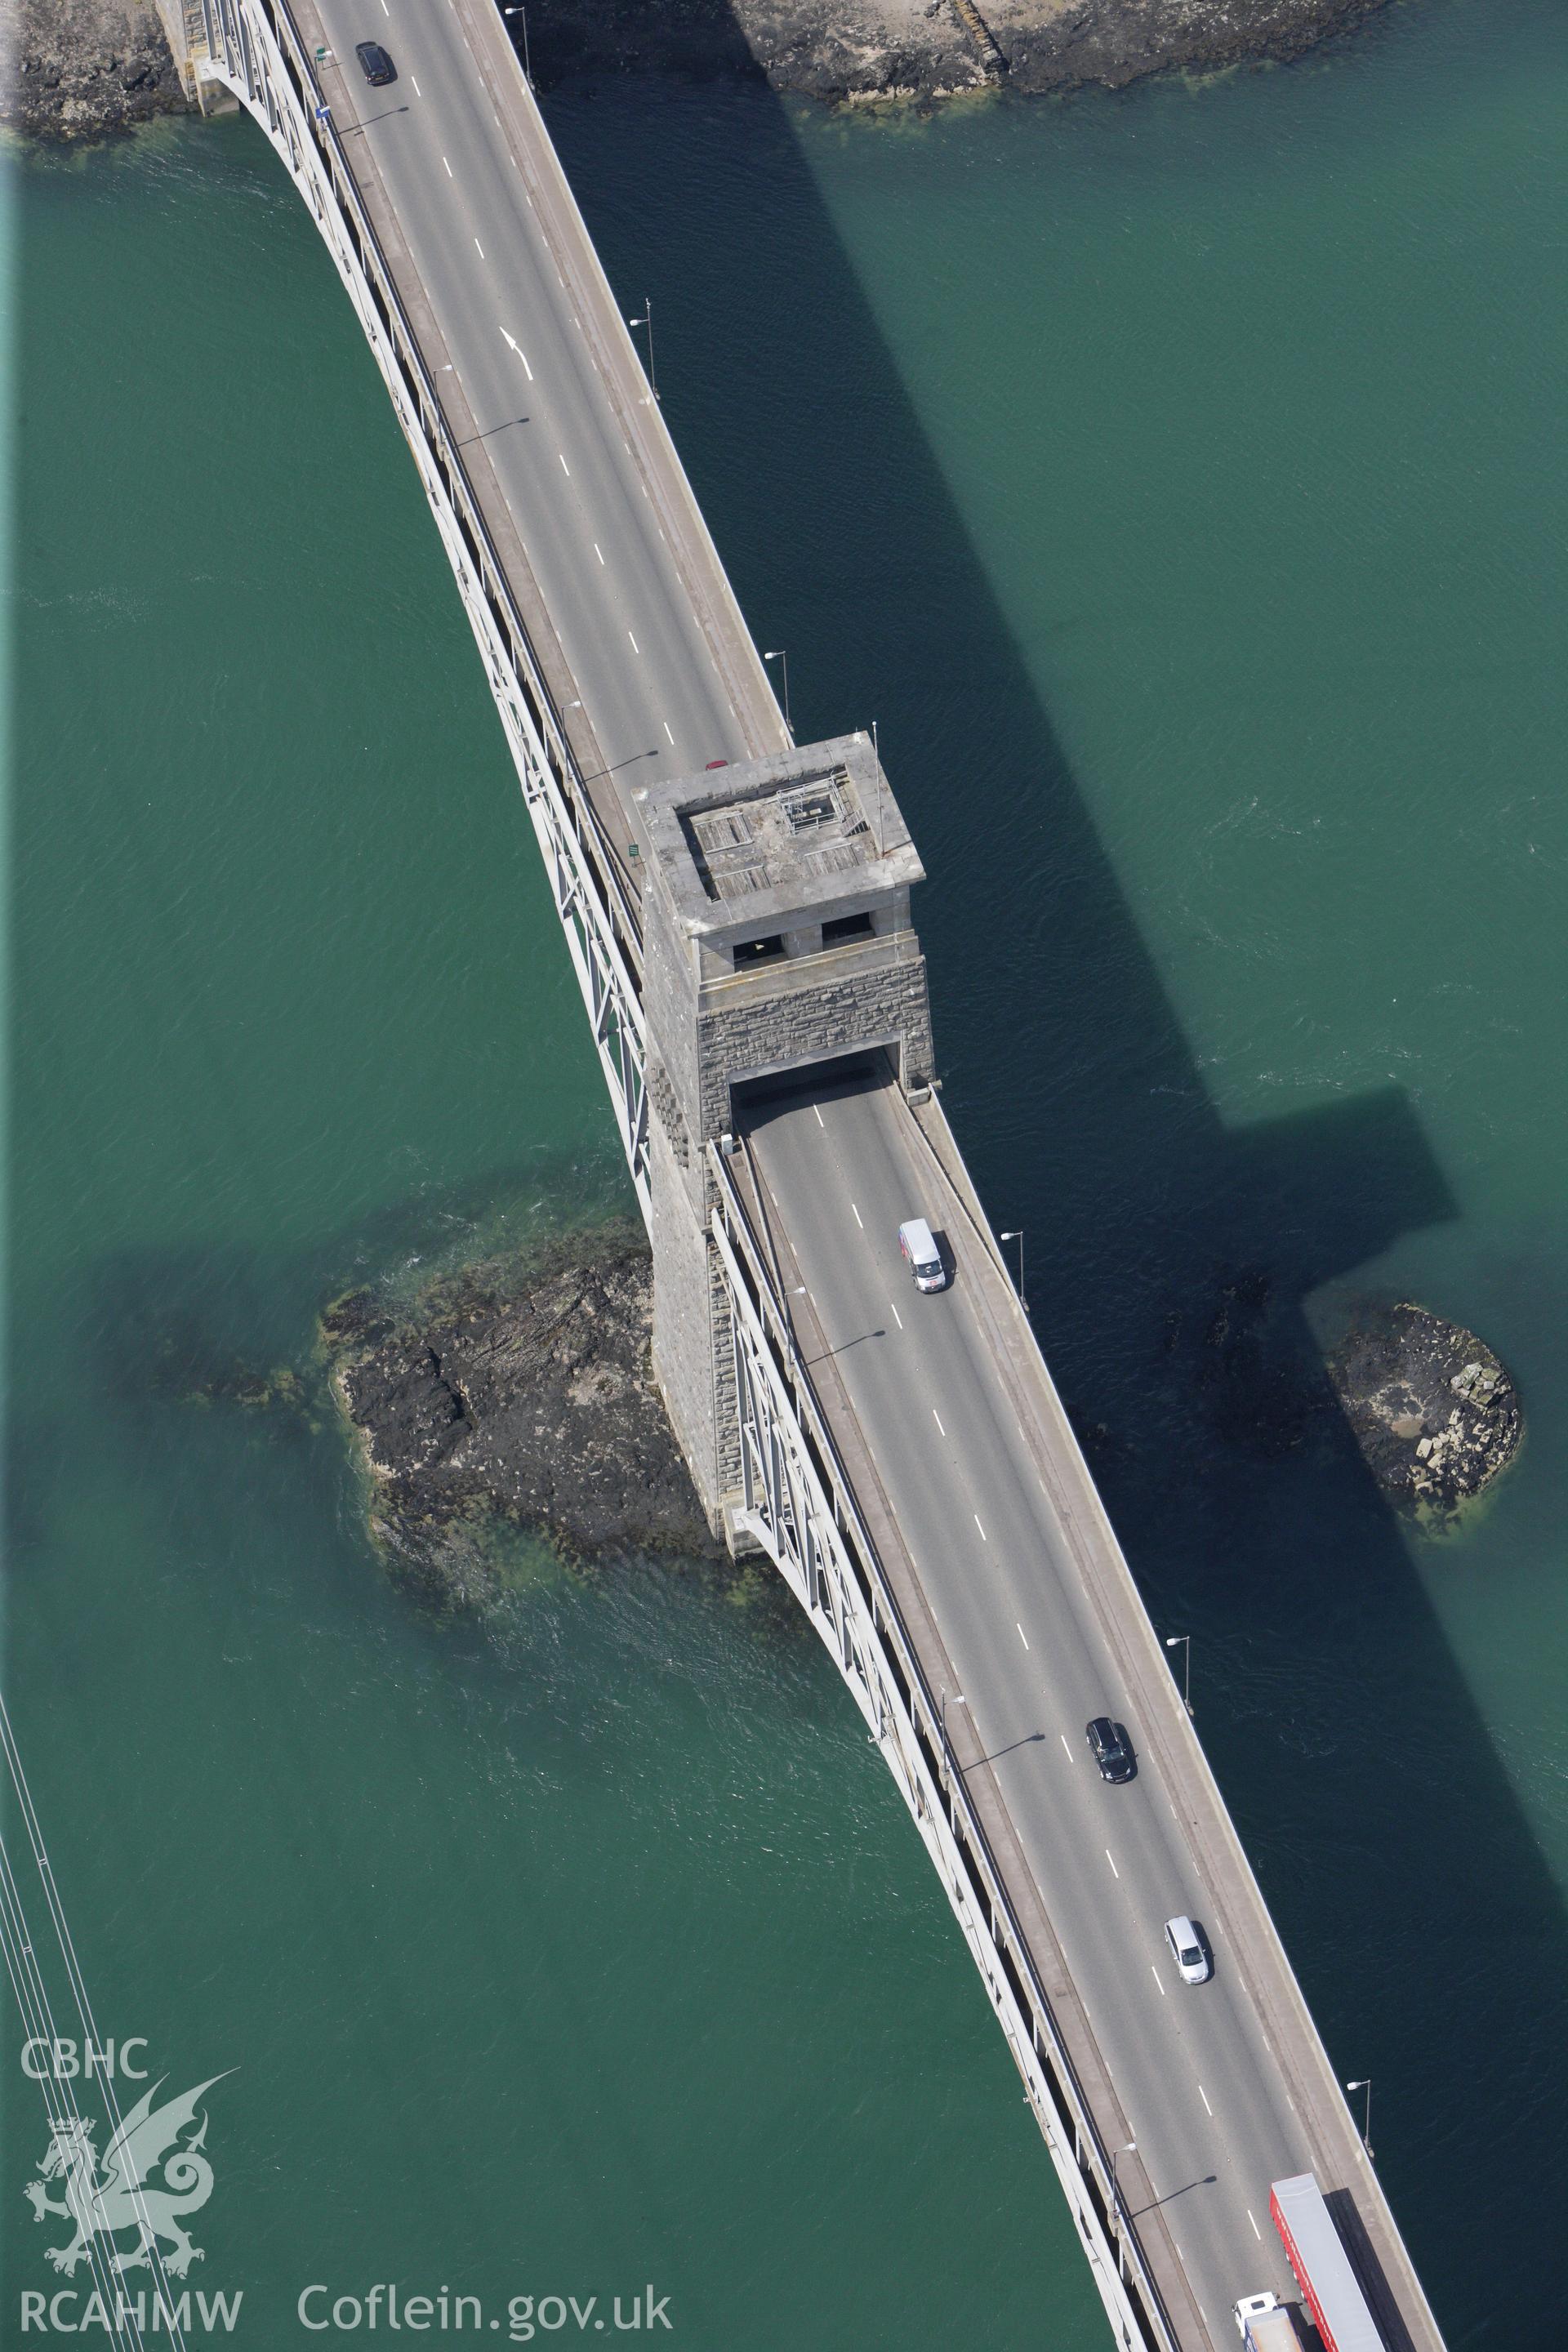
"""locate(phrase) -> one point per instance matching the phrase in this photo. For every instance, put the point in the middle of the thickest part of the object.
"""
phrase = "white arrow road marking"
(528, 372)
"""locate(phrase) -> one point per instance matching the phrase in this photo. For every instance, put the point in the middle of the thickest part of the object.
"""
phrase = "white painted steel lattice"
(253, 48)
(796, 1502)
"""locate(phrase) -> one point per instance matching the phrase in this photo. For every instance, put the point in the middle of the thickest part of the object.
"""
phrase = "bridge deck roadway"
(983, 1496)
(1028, 1611)
(630, 612)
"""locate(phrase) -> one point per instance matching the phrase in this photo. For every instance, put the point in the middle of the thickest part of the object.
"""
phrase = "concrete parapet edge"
(1341, 2159)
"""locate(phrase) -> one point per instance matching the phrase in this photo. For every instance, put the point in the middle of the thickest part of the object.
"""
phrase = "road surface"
(1210, 2114)
(529, 366)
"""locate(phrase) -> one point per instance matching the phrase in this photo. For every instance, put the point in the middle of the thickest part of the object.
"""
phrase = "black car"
(1111, 1748)
(379, 68)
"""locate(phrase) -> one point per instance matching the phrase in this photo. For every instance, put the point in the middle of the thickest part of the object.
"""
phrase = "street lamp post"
(519, 10)
(1018, 1237)
(646, 320)
(958, 1700)
(527, 66)
(1185, 1643)
(1129, 2147)
(783, 658)
(1364, 2084)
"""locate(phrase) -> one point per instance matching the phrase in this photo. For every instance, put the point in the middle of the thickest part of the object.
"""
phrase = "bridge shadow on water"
(1170, 1257)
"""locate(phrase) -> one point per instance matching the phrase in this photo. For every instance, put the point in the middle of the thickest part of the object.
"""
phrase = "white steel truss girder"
(254, 48)
(797, 1502)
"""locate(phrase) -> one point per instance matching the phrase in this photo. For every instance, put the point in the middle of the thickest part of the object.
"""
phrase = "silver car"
(1189, 1949)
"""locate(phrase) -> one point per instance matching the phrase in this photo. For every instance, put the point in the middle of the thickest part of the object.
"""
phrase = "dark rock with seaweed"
(521, 1392)
(1435, 1413)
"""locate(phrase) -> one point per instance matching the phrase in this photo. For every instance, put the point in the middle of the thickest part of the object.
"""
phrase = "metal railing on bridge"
(798, 1503)
(256, 49)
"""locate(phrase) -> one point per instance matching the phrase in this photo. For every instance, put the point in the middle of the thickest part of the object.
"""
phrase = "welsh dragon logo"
(102, 2198)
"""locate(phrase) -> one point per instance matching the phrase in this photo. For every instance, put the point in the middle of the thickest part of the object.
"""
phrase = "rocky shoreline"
(84, 69)
(515, 1396)
(1433, 1412)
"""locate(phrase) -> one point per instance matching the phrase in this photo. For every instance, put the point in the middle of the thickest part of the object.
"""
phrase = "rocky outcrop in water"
(1435, 1413)
(519, 1393)
(83, 68)
(866, 51)
(80, 68)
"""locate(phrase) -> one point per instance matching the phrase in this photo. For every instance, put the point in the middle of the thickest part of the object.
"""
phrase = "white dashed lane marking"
(859, 1218)
(895, 1314)
(564, 467)
(671, 737)
(418, 93)
(479, 249)
(1156, 1974)
(820, 1121)
(1022, 1635)
(448, 167)
(1205, 2098)
(598, 552)
(983, 1536)
(635, 646)
(937, 1418)
(1111, 1859)
(1255, 2230)
(1063, 1738)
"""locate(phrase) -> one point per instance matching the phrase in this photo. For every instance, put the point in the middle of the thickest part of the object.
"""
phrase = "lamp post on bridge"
(1018, 1237)
(1184, 1643)
(784, 659)
(527, 66)
(1364, 2084)
(958, 1700)
(646, 320)
(1128, 2148)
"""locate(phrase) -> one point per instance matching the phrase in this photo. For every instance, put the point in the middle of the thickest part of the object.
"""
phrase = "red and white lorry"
(1330, 2288)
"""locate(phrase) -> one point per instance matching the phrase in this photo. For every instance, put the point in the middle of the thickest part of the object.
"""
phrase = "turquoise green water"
(1176, 480)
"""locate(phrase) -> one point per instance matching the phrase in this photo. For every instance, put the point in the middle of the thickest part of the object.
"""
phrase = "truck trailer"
(1316, 2252)
(1265, 2325)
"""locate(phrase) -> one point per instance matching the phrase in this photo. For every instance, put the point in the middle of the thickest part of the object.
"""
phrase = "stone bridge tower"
(776, 936)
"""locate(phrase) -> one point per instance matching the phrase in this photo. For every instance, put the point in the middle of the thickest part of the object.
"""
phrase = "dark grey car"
(379, 68)
(1111, 1748)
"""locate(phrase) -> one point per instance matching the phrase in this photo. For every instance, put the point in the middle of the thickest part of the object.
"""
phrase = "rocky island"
(1435, 1413)
(80, 68)
(518, 1394)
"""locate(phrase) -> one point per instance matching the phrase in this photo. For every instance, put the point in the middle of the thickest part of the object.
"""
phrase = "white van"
(919, 1245)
